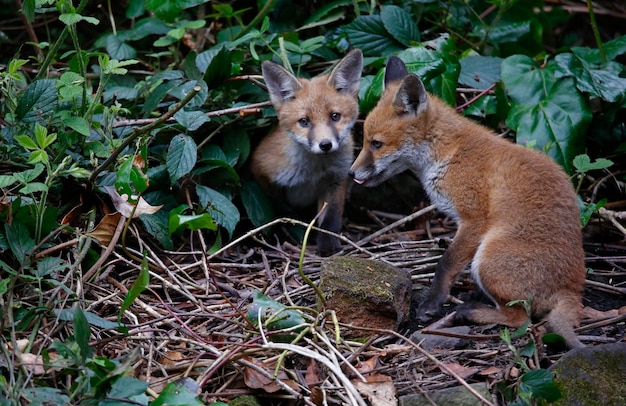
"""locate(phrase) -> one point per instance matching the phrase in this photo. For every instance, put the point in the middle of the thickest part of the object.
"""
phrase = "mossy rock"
(593, 376)
(366, 293)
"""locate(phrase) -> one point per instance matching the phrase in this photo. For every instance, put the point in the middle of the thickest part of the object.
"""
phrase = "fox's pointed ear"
(411, 96)
(346, 75)
(394, 70)
(281, 85)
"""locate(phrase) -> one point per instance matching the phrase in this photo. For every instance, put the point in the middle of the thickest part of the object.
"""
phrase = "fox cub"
(307, 157)
(516, 210)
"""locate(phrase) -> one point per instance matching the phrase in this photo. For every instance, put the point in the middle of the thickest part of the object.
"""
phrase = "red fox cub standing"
(516, 210)
(307, 157)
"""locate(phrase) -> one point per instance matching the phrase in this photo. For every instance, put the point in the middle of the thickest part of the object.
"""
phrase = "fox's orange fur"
(307, 157)
(517, 213)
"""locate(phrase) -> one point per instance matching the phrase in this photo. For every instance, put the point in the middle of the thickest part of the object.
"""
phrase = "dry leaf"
(490, 371)
(395, 349)
(171, 358)
(256, 380)
(73, 217)
(460, 370)
(126, 209)
(312, 376)
(368, 365)
(33, 363)
(317, 396)
(139, 162)
(105, 229)
(379, 389)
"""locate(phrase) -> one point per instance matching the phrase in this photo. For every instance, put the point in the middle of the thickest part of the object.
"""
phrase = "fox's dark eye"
(304, 122)
(376, 144)
(335, 116)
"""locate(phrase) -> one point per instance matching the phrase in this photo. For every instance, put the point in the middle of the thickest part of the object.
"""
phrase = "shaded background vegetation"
(103, 104)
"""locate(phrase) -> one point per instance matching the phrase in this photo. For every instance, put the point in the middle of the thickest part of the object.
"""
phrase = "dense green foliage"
(157, 101)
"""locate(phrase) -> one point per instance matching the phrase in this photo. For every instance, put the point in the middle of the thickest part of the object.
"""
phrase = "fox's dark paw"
(427, 311)
(328, 246)
(463, 313)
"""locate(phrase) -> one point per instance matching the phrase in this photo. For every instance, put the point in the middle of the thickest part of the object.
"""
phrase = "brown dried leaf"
(256, 380)
(317, 396)
(126, 209)
(105, 229)
(460, 370)
(492, 370)
(73, 217)
(312, 376)
(139, 162)
(171, 358)
(33, 363)
(379, 389)
(368, 365)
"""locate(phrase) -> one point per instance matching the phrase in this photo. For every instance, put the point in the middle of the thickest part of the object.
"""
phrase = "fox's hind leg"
(479, 313)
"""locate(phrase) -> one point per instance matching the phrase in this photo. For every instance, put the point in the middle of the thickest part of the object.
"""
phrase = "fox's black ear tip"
(395, 69)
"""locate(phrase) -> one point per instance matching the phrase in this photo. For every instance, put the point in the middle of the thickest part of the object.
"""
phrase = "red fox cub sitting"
(516, 210)
(307, 157)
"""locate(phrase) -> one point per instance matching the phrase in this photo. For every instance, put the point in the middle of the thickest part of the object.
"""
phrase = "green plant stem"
(257, 19)
(43, 69)
(596, 31)
(316, 289)
(142, 130)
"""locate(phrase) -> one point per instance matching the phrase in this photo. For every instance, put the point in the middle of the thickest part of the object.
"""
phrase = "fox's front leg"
(452, 262)
(331, 219)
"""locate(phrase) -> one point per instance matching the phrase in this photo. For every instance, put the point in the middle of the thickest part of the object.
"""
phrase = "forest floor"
(191, 323)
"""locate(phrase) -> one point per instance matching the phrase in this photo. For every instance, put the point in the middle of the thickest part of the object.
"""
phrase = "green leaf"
(370, 35)
(127, 389)
(41, 135)
(157, 226)
(274, 315)
(29, 175)
(70, 18)
(34, 187)
(119, 49)
(400, 24)
(136, 289)
(437, 66)
(78, 124)
(258, 206)
(45, 396)
(181, 157)
(169, 10)
(26, 142)
(191, 120)
(215, 64)
(20, 241)
(37, 102)
(601, 81)
(236, 146)
(221, 209)
(192, 222)
(583, 163)
(123, 184)
(7, 180)
(92, 318)
(82, 333)
(547, 112)
(479, 72)
(588, 209)
(48, 265)
(540, 382)
(28, 9)
(174, 394)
